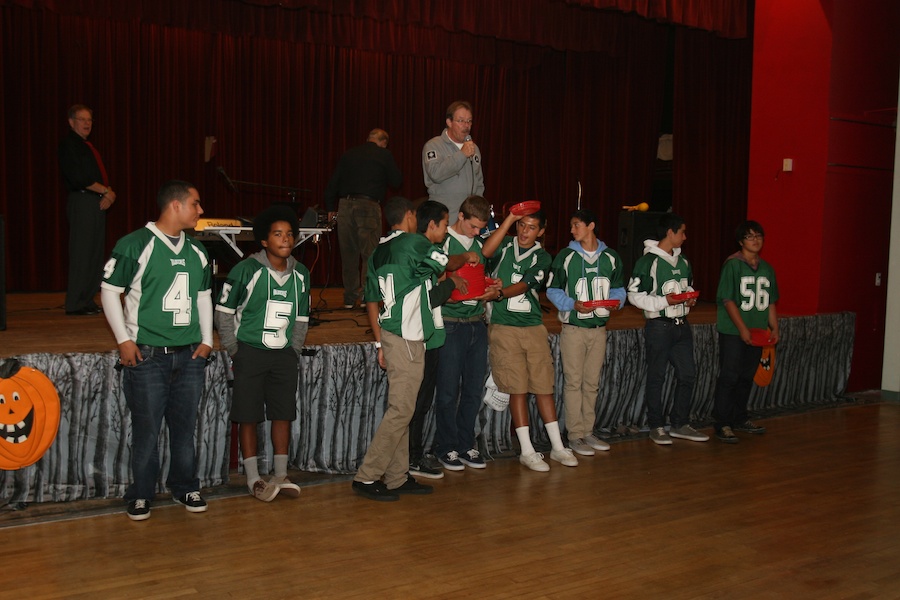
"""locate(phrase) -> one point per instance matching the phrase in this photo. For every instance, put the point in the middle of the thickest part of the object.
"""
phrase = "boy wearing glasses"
(745, 300)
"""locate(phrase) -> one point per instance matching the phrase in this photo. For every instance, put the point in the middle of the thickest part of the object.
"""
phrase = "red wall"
(823, 73)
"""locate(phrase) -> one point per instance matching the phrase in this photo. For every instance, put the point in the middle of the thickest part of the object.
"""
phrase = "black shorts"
(265, 384)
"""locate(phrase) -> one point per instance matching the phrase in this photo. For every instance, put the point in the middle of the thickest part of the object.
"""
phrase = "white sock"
(555, 438)
(280, 463)
(251, 470)
(524, 440)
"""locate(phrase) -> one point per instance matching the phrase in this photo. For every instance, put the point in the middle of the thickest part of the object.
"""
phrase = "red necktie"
(99, 163)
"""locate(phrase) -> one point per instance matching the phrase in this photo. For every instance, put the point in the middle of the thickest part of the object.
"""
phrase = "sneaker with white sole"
(472, 458)
(686, 432)
(286, 487)
(192, 501)
(596, 443)
(263, 490)
(564, 456)
(659, 436)
(451, 461)
(534, 461)
(139, 510)
(427, 467)
(579, 446)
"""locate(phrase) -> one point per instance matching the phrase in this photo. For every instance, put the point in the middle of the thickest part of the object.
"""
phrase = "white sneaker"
(286, 487)
(564, 456)
(581, 447)
(659, 436)
(534, 461)
(596, 443)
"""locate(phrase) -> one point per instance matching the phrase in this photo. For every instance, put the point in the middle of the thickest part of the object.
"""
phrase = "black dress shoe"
(375, 491)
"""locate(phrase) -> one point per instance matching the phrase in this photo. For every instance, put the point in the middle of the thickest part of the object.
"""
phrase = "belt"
(673, 320)
(584, 326)
(171, 349)
(85, 192)
(359, 197)
(474, 319)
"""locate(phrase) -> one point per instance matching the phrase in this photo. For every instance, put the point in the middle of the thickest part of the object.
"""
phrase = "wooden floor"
(38, 323)
(809, 510)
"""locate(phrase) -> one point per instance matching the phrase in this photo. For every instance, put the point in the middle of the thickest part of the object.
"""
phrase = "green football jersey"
(511, 265)
(457, 244)
(265, 303)
(657, 274)
(402, 272)
(752, 290)
(161, 282)
(586, 278)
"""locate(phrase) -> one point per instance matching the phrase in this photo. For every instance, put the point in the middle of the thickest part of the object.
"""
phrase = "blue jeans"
(461, 371)
(163, 386)
(666, 343)
(738, 363)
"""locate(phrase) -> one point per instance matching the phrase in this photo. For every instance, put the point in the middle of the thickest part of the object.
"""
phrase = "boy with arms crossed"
(586, 270)
(519, 349)
(745, 300)
(262, 317)
(659, 275)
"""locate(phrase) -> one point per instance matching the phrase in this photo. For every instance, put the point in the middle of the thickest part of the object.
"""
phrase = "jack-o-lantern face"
(766, 368)
(29, 415)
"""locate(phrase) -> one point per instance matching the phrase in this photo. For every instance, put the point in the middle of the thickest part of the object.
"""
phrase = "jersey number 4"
(178, 300)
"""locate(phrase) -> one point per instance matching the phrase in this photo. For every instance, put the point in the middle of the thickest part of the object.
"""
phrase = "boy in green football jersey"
(164, 336)
(519, 348)
(745, 300)
(262, 317)
(403, 275)
(659, 276)
(586, 270)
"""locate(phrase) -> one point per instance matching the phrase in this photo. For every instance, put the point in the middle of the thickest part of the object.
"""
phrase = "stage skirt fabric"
(341, 399)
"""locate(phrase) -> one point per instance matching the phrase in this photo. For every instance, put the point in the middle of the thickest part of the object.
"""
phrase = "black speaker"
(634, 228)
(2, 273)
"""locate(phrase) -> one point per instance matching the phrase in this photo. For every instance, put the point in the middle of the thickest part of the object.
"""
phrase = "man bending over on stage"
(403, 273)
(262, 317)
(165, 337)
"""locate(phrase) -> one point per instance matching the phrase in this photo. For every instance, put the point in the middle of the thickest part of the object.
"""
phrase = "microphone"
(228, 180)
(469, 139)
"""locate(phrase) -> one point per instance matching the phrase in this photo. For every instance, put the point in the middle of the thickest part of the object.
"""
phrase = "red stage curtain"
(284, 104)
(711, 147)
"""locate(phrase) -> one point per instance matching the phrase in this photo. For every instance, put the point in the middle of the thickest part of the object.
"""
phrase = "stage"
(342, 390)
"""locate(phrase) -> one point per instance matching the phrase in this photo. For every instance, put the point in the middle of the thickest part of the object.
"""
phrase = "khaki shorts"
(521, 360)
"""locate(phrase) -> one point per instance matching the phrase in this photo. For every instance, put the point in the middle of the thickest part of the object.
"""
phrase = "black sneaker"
(192, 501)
(411, 486)
(375, 491)
(427, 467)
(139, 510)
(451, 461)
(726, 435)
(749, 427)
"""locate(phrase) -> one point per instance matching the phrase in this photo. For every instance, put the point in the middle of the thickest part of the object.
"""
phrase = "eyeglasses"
(463, 121)
(83, 120)
(753, 236)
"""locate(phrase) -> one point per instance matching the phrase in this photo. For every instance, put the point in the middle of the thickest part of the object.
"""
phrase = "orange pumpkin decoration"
(29, 415)
(766, 367)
